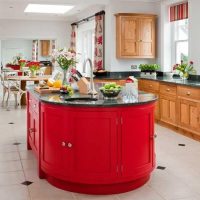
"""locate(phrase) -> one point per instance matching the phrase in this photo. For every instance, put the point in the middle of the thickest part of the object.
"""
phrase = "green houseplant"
(184, 69)
(149, 67)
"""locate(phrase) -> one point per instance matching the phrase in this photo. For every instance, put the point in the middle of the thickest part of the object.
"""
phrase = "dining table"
(23, 81)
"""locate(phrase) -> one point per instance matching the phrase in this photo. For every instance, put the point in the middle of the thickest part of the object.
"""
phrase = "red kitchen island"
(89, 145)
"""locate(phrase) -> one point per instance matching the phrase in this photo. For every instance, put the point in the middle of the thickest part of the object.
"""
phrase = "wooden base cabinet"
(179, 105)
(189, 114)
(189, 109)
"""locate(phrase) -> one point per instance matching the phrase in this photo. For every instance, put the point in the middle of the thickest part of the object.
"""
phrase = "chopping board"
(46, 90)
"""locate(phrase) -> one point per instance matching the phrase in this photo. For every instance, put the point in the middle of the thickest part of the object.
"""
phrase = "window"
(179, 41)
(85, 43)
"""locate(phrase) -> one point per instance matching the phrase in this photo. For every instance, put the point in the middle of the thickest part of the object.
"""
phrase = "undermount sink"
(81, 99)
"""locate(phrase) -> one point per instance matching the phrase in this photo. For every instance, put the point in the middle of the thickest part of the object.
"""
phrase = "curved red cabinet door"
(93, 155)
(137, 142)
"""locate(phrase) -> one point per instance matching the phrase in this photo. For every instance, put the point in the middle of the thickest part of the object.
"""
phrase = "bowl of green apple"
(110, 90)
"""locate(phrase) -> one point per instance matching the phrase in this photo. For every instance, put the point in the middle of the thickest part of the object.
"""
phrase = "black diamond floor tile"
(181, 145)
(161, 167)
(11, 123)
(27, 183)
(16, 143)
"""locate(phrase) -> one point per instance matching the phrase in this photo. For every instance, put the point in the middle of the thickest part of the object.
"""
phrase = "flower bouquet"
(33, 67)
(184, 69)
(22, 63)
(65, 59)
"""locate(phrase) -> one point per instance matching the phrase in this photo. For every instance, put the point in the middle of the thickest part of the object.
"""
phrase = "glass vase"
(65, 78)
(32, 74)
(184, 75)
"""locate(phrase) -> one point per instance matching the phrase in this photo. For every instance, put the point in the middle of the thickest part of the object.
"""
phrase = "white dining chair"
(11, 87)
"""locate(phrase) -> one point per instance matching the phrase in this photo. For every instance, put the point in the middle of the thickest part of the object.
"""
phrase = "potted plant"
(149, 69)
(184, 69)
(33, 67)
(22, 64)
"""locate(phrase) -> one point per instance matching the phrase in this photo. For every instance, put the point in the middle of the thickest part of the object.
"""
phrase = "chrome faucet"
(92, 90)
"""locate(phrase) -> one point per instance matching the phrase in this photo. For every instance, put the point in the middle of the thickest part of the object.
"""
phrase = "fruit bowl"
(110, 93)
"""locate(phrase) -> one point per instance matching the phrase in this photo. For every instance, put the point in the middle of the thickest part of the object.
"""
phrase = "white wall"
(194, 33)
(28, 29)
(111, 62)
(10, 48)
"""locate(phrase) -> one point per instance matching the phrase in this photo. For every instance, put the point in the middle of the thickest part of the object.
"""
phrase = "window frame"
(174, 42)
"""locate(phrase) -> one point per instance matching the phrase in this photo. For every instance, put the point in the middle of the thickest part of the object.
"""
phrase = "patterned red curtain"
(99, 41)
(35, 50)
(179, 12)
(73, 38)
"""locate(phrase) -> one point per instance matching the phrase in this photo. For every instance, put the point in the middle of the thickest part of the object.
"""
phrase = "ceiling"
(14, 9)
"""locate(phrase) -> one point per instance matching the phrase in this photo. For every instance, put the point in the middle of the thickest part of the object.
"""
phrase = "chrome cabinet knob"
(69, 145)
(34, 105)
(167, 89)
(188, 93)
(63, 144)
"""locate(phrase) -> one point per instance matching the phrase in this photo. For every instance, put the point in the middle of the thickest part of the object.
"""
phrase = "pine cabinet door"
(45, 47)
(168, 109)
(147, 37)
(129, 36)
(189, 114)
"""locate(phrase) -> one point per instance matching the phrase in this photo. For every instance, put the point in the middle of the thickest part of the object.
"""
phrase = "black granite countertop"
(59, 99)
(193, 80)
(178, 81)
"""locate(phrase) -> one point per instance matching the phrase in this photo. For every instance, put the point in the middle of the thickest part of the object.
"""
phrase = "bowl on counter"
(110, 93)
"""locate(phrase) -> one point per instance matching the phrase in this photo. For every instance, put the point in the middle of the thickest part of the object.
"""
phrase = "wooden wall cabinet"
(135, 35)
(45, 47)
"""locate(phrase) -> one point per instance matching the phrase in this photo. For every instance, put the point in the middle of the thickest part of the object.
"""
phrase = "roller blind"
(179, 12)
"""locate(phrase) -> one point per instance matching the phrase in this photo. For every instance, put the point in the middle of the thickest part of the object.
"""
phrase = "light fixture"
(46, 8)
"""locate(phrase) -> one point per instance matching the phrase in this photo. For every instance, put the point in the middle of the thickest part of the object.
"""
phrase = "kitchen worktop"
(57, 98)
(192, 81)
(178, 81)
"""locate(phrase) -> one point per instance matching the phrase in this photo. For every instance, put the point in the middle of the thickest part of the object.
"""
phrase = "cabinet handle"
(188, 93)
(63, 144)
(154, 136)
(31, 130)
(167, 89)
(69, 145)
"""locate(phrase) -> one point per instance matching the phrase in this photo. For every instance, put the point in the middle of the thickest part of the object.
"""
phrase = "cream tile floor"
(179, 181)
